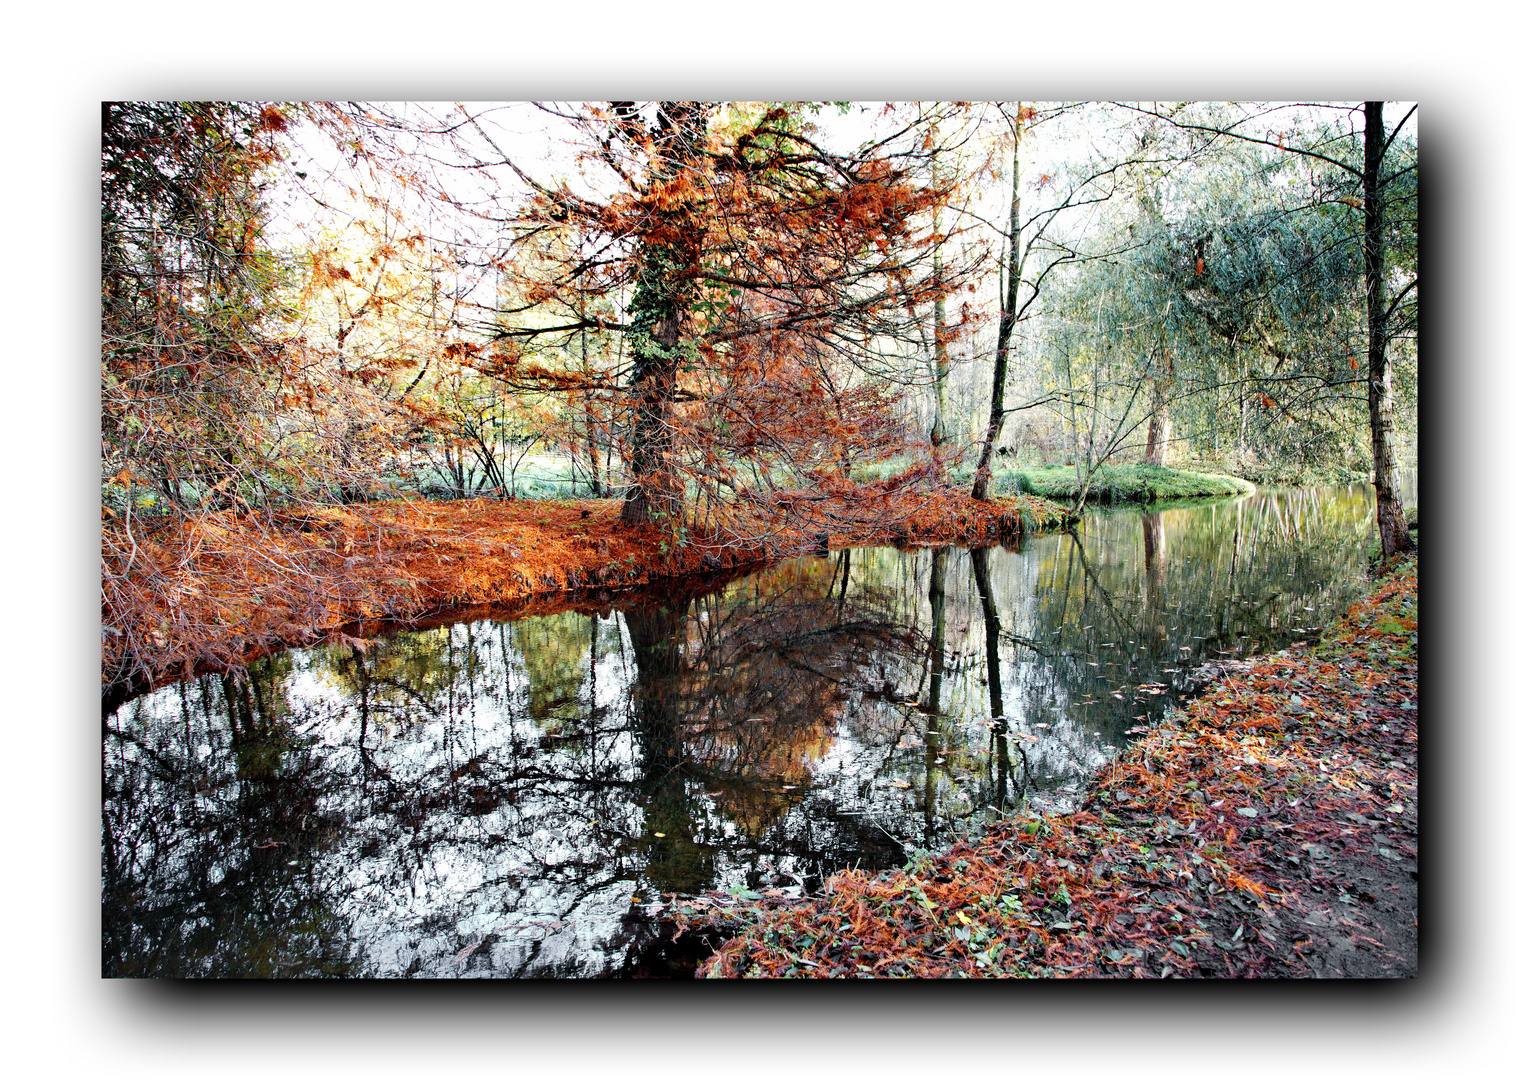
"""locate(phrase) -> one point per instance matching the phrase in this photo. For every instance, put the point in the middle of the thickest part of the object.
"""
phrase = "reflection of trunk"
(675, 864)
(361, 672)
(1121, 622)
(1234, 545)
(936, 606)
(935, 682)
(993, 623)
(843, 582)
(1155, 576)
(1392, 526)
(1155, 554)
(656, 633)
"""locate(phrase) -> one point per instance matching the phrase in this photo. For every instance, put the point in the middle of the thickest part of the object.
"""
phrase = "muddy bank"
(218, 591)
(1270, 829)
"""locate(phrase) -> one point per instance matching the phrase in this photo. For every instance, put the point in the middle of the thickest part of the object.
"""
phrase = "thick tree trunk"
(1391, 524)
(1158, 438)
(661, 307)
(655, 494)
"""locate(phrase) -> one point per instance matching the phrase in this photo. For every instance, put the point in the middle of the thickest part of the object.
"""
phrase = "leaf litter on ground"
(1269, 829)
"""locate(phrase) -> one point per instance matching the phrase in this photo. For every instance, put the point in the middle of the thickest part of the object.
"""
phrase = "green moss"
(1114, 483)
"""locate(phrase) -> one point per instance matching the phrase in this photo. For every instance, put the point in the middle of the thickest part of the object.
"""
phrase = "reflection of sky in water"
(489, 798)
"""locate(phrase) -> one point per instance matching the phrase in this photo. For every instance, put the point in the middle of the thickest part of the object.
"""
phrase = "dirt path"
(1268, 830)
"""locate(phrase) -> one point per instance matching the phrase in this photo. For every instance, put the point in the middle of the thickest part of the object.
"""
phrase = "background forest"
(700, 304)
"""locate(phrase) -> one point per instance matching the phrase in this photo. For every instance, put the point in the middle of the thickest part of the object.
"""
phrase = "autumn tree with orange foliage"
(222, 418)
(756, 279)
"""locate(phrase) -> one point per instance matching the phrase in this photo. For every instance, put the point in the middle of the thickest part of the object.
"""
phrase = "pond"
(518, 798)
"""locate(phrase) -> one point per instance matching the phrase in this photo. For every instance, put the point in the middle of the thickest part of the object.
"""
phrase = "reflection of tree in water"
(487, 797)
(474, 798)
(211, 839)
(739, 696)
(1109, 620)
(1002, 782)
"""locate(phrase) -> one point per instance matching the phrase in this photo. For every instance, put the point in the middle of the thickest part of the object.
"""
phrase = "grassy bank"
(219, 590)
(1269, 829)
(1120, 483)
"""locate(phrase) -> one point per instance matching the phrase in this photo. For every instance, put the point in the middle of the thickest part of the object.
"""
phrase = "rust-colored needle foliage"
(217, 589)
(771, 287)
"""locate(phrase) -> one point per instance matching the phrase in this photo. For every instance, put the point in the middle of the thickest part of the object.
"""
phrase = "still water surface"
(514, 798)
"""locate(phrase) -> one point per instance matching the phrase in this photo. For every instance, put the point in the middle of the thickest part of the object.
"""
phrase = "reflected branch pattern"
(511, 798)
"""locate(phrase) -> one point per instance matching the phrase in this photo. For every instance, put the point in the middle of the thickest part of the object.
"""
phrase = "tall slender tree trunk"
(590, 423)
(1391, 524)
(590, 446)
(981, 489)
(941, 349)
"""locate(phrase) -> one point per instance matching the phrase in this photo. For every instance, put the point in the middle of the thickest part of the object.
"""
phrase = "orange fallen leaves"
(1144, 879)
(1245, 884)
(217, 591)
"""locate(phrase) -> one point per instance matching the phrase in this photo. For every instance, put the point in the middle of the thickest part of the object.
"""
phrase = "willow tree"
(757, 279)
(1372, 169)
